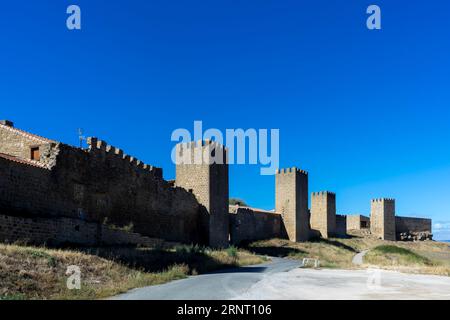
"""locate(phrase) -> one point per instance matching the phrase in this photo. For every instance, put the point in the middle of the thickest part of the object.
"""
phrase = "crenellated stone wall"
(99, 184)
(202, 168)
(323, 213)
(291, 201)
(53, 192)
(382, 219)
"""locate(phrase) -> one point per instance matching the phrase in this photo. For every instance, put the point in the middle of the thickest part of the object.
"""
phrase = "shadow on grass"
(336, 244)
(274, 251)
(159, 260)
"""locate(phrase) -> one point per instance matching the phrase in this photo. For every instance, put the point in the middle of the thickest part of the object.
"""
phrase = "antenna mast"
(81, 137)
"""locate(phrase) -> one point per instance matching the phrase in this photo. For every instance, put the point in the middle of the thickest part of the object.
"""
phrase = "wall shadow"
(336, 244)
(273, 251)
(158, 260)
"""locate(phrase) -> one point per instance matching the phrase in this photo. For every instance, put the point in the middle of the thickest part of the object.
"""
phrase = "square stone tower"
(382, 219)
(202, 168)
(291, 201)
(323, 213)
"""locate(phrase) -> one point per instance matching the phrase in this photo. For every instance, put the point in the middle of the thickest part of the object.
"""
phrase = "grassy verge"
(393, 255)
(331, 253)
(40, 273)
(427, 257)
(407, 258)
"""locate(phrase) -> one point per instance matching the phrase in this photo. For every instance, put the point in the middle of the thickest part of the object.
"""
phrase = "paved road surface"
(309, 284)
(282, 279)
(224, 284)
(358, 259)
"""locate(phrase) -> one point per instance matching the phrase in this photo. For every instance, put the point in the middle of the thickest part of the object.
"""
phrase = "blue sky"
(365, 112)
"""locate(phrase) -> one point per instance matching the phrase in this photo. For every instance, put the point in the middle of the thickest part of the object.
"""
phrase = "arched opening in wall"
(77, 228)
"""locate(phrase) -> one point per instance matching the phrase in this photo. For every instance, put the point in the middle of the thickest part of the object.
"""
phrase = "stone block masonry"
(341, 226)
(291, 201)
(95, 184)
(67, 231)
(357, 222)
(248, 224)
(18, 143)
(408, 224)
(53, 192)
(202, 168)
(323, 213)
(413, 229)
(382, 219)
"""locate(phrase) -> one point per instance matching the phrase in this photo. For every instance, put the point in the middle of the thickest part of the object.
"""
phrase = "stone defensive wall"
(248, 224)
(291, 201)
(95, 184)
(341, 226)
(382, 218)
(202, 168)
(407, 224)
(323, 213)
(52, 192)
(357, 222)
(67, 231)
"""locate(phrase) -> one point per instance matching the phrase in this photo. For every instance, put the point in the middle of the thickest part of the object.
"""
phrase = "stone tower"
(291, 200)
(382, 219)
(323, 213)
(202, 168)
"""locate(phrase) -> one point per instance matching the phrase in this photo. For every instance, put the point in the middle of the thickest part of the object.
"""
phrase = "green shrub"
(190, 249)
(232, 251)
(236, 201)
(406, 255)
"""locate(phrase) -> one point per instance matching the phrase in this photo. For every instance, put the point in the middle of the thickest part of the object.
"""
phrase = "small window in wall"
(35, 155)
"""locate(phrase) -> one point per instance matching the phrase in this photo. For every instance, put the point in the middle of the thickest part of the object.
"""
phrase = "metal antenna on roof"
(81, 137)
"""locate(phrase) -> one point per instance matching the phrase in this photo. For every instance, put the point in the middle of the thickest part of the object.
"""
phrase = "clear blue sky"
(365, 112)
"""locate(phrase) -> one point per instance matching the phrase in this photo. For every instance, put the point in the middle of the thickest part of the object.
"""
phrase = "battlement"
(201, 152)
(391, 200)
(382, 218)
(323, 193)
(99, 145)
(201, 144)
(291, 170)
(323, 213)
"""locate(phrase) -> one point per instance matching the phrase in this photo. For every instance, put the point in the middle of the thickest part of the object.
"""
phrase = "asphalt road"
(220, 285)
(329, 284)
(282, 279)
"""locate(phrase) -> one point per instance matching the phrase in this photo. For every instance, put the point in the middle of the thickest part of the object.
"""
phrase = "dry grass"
(331, 253)
(39, 273)
(412, 257)
(426, 257)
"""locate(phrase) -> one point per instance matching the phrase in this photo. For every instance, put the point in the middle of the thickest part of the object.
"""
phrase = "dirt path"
(358, 259)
